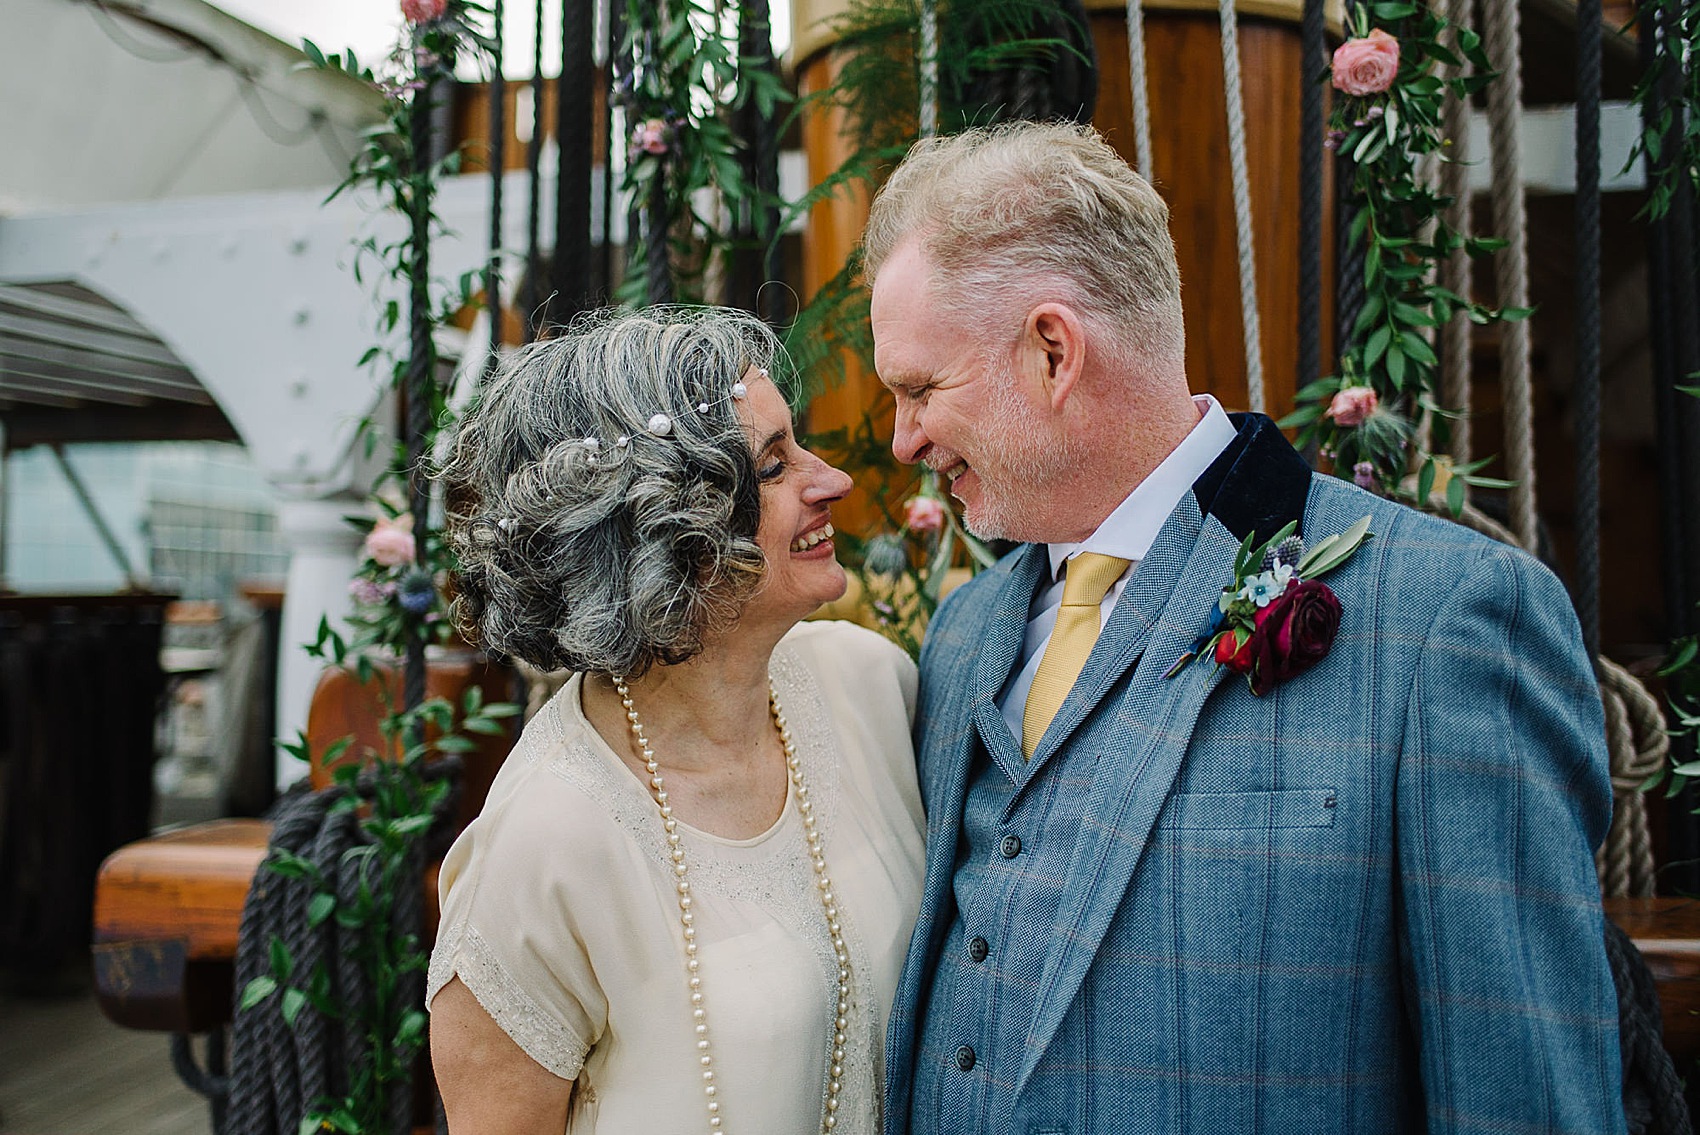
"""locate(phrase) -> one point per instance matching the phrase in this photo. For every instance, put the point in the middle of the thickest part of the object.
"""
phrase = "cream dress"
(560, 914)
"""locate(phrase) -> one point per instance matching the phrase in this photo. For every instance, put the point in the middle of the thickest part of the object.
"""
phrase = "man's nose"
(909, 441)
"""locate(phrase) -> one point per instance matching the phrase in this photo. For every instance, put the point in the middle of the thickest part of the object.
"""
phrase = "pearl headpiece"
(660, 425)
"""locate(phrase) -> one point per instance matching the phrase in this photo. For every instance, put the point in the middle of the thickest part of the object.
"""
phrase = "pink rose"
(1366, 66)
(652, 136)
(923, 514)
(366, 592)
(1352, 405)
(423, 11)
(391, 542)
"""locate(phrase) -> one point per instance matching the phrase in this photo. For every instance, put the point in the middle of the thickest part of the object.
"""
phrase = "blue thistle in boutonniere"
(1275, 619)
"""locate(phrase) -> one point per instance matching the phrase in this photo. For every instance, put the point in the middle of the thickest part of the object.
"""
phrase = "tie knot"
(1089, 576)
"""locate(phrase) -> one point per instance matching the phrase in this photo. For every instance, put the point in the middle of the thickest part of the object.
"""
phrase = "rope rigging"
(1249, 321)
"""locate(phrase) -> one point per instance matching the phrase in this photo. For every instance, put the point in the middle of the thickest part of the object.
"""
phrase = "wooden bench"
(166, 914)
(1667, 932)
(167, 909)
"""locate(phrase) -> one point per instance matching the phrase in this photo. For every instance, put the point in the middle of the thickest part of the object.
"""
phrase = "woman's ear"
(1054, 342)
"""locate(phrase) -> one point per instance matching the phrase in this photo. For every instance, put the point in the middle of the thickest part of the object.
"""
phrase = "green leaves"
(1398, 219)
(257, 991)
(1333, 551)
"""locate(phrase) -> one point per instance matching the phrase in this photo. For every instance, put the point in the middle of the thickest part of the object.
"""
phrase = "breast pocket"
(1251, 811)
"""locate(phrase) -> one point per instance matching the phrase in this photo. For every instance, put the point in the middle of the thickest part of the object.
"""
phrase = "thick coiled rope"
(279, 1073)
(1653, 1102)
(1141, 92)
(1455, 269)
(1635, 734)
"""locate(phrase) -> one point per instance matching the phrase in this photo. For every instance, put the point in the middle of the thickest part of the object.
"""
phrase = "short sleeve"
(514, 907)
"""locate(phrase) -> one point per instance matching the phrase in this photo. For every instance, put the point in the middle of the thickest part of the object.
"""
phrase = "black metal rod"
(569, 273)
(1348, 261)
(1311, 55)
(498, 159)
(1670, 291)
(1588, 322)
(103, 529)
(421, 365)
(605, 251)
(532, 295)
(657, 221)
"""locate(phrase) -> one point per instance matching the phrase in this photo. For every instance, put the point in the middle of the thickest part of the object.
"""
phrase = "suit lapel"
(997, 659)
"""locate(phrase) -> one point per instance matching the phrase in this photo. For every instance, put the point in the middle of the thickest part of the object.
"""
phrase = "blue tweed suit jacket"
(1363, 903)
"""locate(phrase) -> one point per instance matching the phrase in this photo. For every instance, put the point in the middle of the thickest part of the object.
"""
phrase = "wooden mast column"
(1190, 153)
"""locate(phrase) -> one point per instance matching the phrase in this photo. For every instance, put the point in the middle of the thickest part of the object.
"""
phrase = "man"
(1363, 902)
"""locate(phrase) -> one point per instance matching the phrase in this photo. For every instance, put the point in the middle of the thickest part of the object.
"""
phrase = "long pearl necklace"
(687, 920)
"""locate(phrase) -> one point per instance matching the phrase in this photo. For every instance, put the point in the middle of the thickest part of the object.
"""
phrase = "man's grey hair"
(1019, 214)
(585, 539)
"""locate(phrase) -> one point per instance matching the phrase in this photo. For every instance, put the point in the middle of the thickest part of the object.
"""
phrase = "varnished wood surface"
(1190, 153)
(186, 885)
(1667, 932)
(342, 707)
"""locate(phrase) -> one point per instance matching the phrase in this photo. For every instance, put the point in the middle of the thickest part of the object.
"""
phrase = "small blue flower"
(1263, 589)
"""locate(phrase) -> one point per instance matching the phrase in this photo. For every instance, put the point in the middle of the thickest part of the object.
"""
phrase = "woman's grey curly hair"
(586, 541)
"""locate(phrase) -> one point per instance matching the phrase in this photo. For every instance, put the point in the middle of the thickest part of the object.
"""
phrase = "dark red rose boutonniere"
(1276, 620)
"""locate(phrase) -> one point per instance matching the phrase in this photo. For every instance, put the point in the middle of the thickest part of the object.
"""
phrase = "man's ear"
(1055, 343)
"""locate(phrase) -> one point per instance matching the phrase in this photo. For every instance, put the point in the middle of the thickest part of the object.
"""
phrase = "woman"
(687, 899)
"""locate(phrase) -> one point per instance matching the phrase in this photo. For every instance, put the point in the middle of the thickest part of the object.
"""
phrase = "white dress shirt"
(1128, 533)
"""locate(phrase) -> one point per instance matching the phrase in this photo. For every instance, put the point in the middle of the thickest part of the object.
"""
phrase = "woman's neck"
(697, 713)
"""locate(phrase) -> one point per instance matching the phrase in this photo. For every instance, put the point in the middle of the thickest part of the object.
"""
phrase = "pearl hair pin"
(658, 425)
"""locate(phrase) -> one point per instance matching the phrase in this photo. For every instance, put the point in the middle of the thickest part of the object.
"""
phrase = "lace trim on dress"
(543, 1038)
(774, 875)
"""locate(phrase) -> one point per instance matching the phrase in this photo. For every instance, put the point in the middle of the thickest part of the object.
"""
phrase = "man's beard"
(1032, 458)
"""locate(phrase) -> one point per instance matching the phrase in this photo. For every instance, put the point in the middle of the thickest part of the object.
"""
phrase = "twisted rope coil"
(278, 1074)
(1500, 36)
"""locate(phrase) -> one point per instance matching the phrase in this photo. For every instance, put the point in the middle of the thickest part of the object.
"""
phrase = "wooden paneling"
(833, 232)
(1189, 144)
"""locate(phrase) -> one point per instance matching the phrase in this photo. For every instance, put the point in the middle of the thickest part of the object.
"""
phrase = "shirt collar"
(1131, 529)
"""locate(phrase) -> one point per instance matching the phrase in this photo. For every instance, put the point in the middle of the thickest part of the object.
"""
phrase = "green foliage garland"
(680, 78)
(397, 796)
(1399, 218)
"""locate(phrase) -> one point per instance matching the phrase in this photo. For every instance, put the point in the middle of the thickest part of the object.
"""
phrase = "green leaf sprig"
(1399, 218)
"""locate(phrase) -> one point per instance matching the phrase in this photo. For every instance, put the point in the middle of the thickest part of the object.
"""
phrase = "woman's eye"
(771, 472)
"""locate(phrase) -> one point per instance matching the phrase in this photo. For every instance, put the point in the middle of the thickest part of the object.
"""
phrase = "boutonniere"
(1276, 620)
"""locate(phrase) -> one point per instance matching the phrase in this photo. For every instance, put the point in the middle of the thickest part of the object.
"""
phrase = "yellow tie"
(1088, 578)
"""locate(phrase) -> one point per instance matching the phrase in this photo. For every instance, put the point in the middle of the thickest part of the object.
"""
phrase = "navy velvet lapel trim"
(1258, 483)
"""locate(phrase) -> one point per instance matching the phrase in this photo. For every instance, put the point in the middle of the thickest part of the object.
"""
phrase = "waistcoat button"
(978, 949)
(1011, 846)
(965, 1058)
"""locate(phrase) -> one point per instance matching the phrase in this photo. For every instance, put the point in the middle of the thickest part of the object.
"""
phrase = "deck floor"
(67, 1070)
